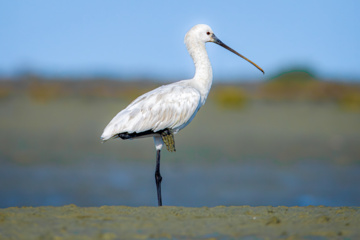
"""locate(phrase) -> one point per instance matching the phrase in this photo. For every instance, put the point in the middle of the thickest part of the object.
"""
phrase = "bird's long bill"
(217, 41)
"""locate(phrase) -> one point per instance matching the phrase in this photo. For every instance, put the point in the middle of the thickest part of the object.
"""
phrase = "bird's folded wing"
(170, 106)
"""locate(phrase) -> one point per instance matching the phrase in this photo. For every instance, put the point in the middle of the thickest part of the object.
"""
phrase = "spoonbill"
(166, 110)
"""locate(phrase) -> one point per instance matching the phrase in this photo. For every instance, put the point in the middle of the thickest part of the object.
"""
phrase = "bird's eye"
(208, 33)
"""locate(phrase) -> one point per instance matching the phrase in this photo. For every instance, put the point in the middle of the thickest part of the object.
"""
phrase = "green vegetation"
(294, 75)
(301, 85)
(229, 97)
(62, 120)
(293, 85)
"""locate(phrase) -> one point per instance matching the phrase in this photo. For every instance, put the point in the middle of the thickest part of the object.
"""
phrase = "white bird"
(166, 110)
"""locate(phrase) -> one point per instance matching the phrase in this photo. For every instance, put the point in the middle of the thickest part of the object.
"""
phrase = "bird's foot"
(168, 138)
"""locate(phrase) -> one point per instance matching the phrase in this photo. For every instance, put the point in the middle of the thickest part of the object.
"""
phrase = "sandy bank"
(121, 222)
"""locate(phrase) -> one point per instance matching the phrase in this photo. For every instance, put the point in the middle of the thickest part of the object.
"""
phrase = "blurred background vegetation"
(291, 85)
(75, 111)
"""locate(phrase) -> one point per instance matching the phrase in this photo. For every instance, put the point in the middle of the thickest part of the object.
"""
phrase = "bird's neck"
(203, 72)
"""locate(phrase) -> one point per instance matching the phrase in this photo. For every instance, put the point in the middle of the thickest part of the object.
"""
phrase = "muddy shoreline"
(121, 222)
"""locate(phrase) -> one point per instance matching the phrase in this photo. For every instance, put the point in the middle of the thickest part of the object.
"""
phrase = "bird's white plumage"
(171, 106)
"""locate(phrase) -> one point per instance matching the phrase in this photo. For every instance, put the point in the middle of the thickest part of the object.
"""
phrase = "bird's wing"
(170, 106)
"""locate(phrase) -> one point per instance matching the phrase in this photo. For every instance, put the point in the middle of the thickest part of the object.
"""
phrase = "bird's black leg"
(158, 177)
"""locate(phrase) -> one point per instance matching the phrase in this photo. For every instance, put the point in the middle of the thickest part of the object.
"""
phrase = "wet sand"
(121, 222)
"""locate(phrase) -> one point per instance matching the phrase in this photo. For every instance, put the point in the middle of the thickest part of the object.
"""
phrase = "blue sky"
(145, 38)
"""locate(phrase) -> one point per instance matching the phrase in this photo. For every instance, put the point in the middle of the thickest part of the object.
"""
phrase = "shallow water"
(97, 183)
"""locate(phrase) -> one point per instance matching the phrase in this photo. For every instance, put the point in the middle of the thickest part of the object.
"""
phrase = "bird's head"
(203, 33)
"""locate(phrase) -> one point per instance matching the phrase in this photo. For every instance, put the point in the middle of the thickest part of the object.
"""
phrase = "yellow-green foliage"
(289, 85)
(301, 85)
(350, 101)
(293, 85)
(314, 91)
(294, 76)
(230, 97)
(113, 89)
(99, 91)
(44, 91)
